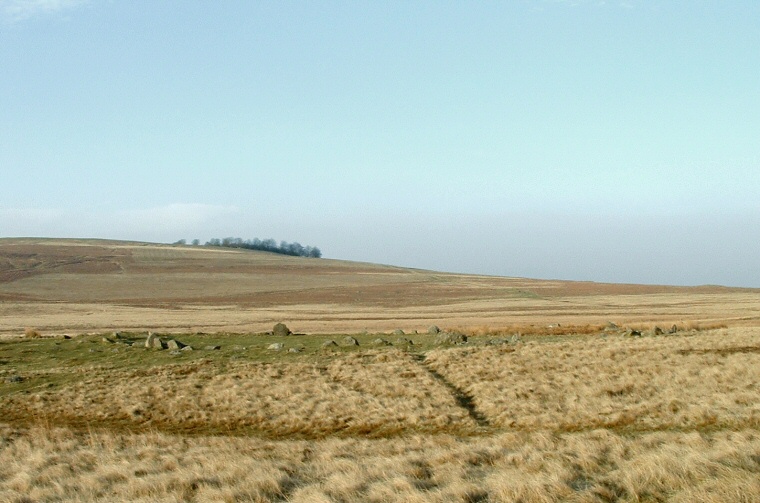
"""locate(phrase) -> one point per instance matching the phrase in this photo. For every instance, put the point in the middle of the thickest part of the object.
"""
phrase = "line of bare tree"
(270, 245)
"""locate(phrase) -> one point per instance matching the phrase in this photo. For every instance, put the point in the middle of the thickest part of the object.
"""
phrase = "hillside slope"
(59, 285)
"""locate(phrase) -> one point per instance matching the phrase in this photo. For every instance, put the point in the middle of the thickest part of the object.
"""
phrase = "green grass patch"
(30, 365)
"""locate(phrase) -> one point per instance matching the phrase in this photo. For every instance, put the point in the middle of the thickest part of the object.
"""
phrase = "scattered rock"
(108, 340)
(349, 341)
(281, 330)
(176, 352)
(213, 348)
(404, 341)
(498, 341)
(398, 331)
(450, 338)
(14, 379)
(515, 339)
(153, 341)
(116, 335)
(67, 337)
(276, 346)
(329, 344)
(295, 350)
(633, 333)
(187, 348)
(174, 344)
(381, 342)
(673, 329)
(657, 331)
(611, 326)
(433, 330)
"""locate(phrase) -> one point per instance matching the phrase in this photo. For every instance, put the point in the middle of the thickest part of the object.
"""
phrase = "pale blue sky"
(606, 141)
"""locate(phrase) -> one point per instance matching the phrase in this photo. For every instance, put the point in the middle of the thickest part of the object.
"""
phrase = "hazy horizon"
(580, 140)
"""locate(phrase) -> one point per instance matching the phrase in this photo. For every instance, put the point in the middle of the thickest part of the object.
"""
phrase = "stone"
(187, 348)
(174, 344)
(176, 352)
(381, 342)
(404, 341)
(633, 333)
(213, 348)
(276, 346)
(673, 329)
(349, 341)
(295, 350)
(329, 344)
(450, 338)
(433, 329)
(611, 326)
(153, 341)
(281, 330)
(657, 331)
(14, 379)
(398, 331)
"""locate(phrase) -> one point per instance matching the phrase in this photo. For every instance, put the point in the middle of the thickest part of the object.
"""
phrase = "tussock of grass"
(51, 464)
(31, 333)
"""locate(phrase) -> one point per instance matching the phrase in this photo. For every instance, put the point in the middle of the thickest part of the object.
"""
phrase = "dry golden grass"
(588, 418)
(692, 380)
(51, 464)
(376, 393)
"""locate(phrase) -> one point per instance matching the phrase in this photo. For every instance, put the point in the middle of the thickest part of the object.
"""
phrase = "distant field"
(72, 286)
(552, 398)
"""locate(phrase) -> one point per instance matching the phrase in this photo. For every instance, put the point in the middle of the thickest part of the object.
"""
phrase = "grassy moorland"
(546, 401)
(74, 286)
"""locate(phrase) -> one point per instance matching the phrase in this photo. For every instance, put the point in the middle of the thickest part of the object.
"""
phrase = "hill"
(63, 285)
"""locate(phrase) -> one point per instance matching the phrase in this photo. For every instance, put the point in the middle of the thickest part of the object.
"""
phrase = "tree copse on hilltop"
(270, 245)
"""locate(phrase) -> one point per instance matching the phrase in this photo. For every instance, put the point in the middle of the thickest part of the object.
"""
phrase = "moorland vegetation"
(530, 391)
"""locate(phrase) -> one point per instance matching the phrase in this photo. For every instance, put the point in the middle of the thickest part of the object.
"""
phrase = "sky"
(611, 141)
